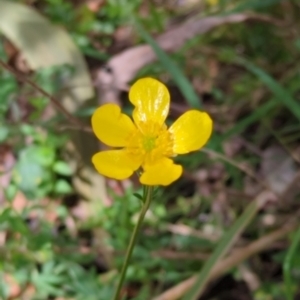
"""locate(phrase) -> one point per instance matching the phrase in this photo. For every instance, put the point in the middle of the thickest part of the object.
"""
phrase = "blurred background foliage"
(64, 229)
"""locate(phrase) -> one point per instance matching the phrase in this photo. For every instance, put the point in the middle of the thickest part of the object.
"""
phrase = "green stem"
(147, 197)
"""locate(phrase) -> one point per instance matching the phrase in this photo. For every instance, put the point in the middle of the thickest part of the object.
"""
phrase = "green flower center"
(149, 143)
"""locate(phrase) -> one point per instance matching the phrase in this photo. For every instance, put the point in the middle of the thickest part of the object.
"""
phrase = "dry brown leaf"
(13, 286)
(95, 5)
(185, 230)
(175, 255)
(123, 67)
(3, 236)
(27, 293)
(249, 277)
(278, 169)
(20, 202)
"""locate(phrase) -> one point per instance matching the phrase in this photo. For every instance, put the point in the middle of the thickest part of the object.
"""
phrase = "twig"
(174, 255)
(55, 102)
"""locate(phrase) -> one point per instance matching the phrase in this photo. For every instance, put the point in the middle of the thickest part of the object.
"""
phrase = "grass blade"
(178, 76)
(225, 243)
(254, 5)
(287, 265)
(281, 94)
(256, 115)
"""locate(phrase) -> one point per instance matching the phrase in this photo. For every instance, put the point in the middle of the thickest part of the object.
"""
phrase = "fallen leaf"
(44, 45)
(95, 5)
(123, 67)
(12, 285)
(278, 168)
(20, 202)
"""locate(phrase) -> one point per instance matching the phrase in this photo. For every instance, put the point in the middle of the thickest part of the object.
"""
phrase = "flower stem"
(147, 197)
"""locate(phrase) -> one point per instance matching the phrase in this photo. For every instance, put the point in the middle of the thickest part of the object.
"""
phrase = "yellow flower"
(146, 142)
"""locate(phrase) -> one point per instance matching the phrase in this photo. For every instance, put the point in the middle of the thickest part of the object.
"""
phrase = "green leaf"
(47, 280)
(18, 225)
(10, 192)
(27, 129)
(62, 168)
(223, 246)
(176, 73)
(41, 155)
(33, 168)
(139, 196)
(5, 215)
(28, 175)
(4, 131)
(62, 187)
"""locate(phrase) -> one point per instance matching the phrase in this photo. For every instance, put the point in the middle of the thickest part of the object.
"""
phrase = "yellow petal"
(164, 172)
(151, 99)
(191, 131)
(111, 126)
(115, 164)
